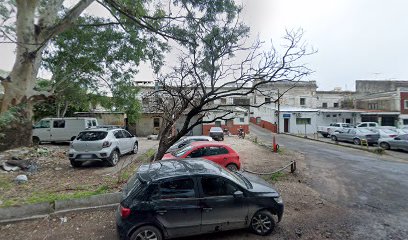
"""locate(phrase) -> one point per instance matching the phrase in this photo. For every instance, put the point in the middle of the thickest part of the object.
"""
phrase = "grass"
(274, 177)
(41, 197)
(5, 183)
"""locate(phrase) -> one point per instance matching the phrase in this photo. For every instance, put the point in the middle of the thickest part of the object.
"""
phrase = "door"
(127, 141)
(286, 125)
(349, 136)
(220, 209)
(177, 207)
(402, 143)
(121, 141)
(59, 131)
(216, 154)
(42, 130)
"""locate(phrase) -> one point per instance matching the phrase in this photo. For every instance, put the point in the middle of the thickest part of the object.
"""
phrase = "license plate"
(86, 156)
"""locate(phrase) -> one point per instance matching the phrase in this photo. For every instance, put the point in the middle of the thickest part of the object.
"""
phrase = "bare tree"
(209, 71)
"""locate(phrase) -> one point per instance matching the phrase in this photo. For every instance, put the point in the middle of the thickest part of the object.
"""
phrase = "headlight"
(278, 199)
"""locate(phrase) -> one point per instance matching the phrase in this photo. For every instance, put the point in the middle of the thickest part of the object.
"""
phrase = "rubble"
(9, 168)
(21, 178)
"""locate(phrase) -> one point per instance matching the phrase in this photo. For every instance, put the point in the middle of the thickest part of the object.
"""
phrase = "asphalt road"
(374, 187)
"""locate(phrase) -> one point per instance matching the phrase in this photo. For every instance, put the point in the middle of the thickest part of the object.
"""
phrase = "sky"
(354, 39)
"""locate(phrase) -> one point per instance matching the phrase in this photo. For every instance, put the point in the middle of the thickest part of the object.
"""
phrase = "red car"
(213, 151)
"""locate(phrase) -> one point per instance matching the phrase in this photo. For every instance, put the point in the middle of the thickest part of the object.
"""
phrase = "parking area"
(51, 176)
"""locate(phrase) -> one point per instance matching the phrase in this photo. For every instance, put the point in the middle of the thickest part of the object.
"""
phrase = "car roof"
(197, 137)
(207, 143)
(102, 129)
(164, 169)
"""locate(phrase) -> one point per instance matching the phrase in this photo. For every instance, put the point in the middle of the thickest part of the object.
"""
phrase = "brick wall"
(232, 129)
(265, 124)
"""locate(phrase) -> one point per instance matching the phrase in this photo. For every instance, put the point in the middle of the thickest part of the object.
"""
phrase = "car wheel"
(232, 167)
(113, 159)
(73, 138)
(385, 145)
(75, 163)
(334, 138)
(36, 141)
(357, 141)
(147, 233)
(262, 223)
(135, 148)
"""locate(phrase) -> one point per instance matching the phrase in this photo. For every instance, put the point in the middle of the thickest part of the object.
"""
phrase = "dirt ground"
(306, 216)
(56, 178)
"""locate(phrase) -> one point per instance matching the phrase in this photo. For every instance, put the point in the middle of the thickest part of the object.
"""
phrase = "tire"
(73, 138)
(325, 135)
(385, 145)
(147, 233)
(36, 141)
(113, 158)
(357, 141)
(135, 148)
(334, 138)
(262, 223)
(222, 139)
(232, 167)
(75, 164)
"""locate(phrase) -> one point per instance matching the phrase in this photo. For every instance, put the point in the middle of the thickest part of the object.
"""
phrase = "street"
(374, 186)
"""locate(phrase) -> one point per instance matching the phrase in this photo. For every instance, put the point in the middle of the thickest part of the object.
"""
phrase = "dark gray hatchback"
(175, 198)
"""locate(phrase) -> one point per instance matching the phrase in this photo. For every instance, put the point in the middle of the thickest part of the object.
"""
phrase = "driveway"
(374, 187)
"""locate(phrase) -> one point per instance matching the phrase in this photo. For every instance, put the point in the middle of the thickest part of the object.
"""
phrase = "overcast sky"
(355, 39)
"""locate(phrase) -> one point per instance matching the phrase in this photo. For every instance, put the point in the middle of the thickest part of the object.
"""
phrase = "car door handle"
(207, 209)
(161, 212)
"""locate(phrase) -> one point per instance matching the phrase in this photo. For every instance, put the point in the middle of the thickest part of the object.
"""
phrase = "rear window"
(92, 136)
(215, 129)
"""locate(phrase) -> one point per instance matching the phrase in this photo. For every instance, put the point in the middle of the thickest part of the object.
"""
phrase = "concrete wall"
(376, 86)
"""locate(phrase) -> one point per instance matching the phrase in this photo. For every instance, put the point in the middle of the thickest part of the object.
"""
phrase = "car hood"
(259, 185)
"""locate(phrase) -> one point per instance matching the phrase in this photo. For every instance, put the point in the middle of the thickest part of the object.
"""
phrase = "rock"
(9, 168)
(23, 164)
(16, 158)
(298, 232)
(64, 219)
(58, 168)
(21, 179)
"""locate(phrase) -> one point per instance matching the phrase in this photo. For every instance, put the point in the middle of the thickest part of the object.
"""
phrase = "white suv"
(102, 144)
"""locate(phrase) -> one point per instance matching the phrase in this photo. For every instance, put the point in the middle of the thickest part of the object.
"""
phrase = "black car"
(175, 198)
(217, 133)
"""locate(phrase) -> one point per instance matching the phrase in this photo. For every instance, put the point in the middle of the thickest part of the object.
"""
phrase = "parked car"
(367, 125)
(60, 129)
(355, 135)
(178, 198)
(217, 152)
(399, 142)
(385, 133)
(217, 133)
(402, 131)
(187, 140)
(102, 144)
(326, 131)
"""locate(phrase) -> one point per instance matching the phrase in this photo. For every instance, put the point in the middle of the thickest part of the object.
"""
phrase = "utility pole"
(278, 115)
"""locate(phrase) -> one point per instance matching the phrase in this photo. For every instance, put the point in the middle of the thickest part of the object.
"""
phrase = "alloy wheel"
(261, 223)
(147, 235)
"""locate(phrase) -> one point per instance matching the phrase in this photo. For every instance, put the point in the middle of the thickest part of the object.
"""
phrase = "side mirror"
(33, 127)
(238, 194)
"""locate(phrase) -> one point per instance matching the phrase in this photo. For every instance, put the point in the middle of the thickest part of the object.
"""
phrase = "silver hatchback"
(102, 144)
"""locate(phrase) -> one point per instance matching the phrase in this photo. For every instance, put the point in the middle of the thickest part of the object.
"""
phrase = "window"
(218, 123)
(302, 101)
(91, 136)
(43, 124)
(405, 121)
(258, 120)
(59, 124)
(156, 122)
(196, 153)
(268, 100)
(216, 186)
(181, 188)
(89, 123)
(372, 125)
(241, 119)
(94, 123)
(303, 121)
(406, 104)
(126, 134)
(223, 101)
(336, 105)
(373, 106)
(118, 134)
(211, 151)
(324, 105)
(334, 115)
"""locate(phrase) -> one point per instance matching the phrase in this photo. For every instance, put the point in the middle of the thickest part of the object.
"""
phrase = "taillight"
(124, 212)
(392, 136)
(106, 144)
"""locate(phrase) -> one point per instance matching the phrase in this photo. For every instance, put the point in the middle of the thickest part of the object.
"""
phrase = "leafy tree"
(32, 24)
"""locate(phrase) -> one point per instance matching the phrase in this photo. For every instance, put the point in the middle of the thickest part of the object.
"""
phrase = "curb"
(40, 210)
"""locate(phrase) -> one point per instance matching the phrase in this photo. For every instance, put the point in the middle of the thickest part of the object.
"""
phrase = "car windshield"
(182, 151)
(92, 135)
(215, 129)
(365, 131)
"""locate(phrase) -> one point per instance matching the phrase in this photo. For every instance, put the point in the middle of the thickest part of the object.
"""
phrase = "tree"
(31, 24)
(211, 70)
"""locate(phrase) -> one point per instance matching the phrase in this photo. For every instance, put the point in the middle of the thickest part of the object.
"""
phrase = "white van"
(60, 129)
